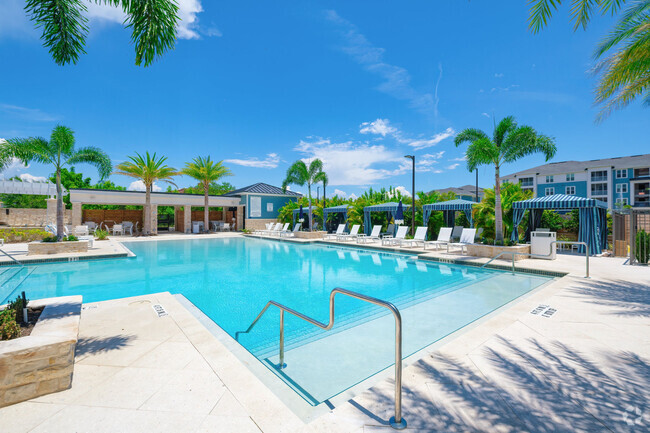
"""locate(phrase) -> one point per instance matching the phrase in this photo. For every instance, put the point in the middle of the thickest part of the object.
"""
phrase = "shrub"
(101, 234)
(50, 239)
(17, 306)
(70, 238)
(15, 235)
(9, 328)
(642, 247)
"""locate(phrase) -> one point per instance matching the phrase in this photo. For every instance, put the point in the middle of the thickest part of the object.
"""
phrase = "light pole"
(412, 158)
(317, 193)
(477, 200)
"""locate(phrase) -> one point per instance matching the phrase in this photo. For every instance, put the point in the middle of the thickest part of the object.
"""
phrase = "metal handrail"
(544, 256)
(397, 422)
(12, 258)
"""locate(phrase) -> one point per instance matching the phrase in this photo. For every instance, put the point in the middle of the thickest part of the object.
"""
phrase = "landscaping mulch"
(32, 314)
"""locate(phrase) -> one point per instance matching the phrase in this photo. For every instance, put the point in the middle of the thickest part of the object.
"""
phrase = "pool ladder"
(397, 422)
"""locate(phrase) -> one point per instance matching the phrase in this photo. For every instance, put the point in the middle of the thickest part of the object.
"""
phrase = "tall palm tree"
(326, 181)
(623, 56)
(148, 169)
(59, 152)
(64, 23)
(206, 171)
(300, 174)
(509, 143)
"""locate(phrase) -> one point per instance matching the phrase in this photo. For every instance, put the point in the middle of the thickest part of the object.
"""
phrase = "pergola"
(341, 209)
(79, 197)
(305, 211)
(389, 208)
(592, 212)
(449, 209)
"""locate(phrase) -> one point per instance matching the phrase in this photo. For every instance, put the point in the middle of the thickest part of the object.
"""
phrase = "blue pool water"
(231, 279)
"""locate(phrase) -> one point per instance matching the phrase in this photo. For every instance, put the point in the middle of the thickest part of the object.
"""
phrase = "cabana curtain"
(342, 209)
(592, 214)
(449, 209)
(389, 208)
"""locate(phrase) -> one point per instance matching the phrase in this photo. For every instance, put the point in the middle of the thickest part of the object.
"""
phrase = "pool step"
(9, 288)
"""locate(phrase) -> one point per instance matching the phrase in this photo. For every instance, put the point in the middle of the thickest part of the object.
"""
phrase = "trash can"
(196, 227)
(540, 244)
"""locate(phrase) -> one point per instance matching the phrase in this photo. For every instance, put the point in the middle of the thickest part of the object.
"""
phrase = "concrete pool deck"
(584, 368)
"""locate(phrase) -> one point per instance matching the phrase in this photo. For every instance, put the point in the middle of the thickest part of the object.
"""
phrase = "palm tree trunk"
(309, 193)
(206, 214)
(498, 212)
(59, 205)
(147, 211)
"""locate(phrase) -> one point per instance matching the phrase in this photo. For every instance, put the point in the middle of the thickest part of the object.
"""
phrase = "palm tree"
(152, 24)
(325, 180)
(485, 210)
(300, 174)
(206, 171)
(509, 143)
(59, 152)
(148, 169)
(625, 72)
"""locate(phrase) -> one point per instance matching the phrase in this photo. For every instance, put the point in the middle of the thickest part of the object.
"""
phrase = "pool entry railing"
(397, 422)
(544, 256)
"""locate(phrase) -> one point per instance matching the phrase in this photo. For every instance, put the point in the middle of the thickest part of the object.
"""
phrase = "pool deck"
(585, 368)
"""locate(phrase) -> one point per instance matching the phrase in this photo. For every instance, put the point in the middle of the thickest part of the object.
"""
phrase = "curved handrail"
(12, 257)
(544, 256)
(397, 421)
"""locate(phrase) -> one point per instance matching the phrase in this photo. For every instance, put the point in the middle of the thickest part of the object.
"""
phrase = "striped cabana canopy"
(449, 208)
(343, 209)
(592, 215)
(389, 208)
(305, 212)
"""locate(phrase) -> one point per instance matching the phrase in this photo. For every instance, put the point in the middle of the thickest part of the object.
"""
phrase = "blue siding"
(560, 188)
(615, 195)
(277, 201)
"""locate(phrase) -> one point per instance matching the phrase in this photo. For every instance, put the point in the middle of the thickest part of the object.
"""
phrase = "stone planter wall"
(479, 250)
(257, 223)
(42, 248)
(310, 235)
(43, 362)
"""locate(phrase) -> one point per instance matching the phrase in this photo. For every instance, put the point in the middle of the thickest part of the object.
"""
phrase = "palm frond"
(315, 167)
(94, 156)
(505, 126)
(540, 13)
(153, 27)
(148, 168)
(469, 135)
(28, 150)
(297, 174)
(62, 141)
(481, 152)
(205, 170)
(526, 141)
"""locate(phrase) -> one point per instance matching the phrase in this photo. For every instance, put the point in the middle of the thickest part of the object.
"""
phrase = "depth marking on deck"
(159, 309)
(544, 311)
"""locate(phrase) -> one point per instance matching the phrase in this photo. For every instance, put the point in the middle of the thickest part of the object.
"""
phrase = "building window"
(526, 181)
(549, 179)
(621, 188)
(641, 172)
(570, 190)
(549, 191)
(621, 174)
(570, 177)
(599, 189)
(622, 201)
(599, 176)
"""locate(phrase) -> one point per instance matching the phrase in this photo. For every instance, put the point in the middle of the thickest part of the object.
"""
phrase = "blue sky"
(357, 84)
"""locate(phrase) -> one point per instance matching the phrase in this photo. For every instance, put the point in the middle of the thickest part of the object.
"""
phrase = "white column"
(240, 218)
(610, 185)
(154, 218)
(187, 219)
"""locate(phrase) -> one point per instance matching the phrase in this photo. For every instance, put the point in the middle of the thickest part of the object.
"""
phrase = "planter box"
(310, 235)
(479, 250)
(42, 362)
(43, 248)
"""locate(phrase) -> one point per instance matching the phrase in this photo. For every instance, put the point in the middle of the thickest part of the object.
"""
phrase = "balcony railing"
(599, 178)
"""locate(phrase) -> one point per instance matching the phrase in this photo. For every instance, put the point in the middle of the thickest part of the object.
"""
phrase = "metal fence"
(631, 235)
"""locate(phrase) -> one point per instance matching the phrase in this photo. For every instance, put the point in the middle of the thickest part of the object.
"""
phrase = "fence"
(112, 216)
(631, 235)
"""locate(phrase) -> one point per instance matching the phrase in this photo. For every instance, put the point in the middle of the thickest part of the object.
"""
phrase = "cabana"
(305, 215)
(338, 210)
(449, 209)
(593, 217)
(389, 208)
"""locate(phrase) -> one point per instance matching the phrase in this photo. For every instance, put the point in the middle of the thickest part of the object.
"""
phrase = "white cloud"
(486, 115)
(14, 22)
(32, 114)
(498, 75)
(271, 161)
(351, 163)
(403, 191)
(138, 185)
(423, 143)
(396, 80)
(26, 177)
(462, 158)
(345, 195)
(14, 167)
(452, 166)
(188, 11)
(427, 161)
(379, 127)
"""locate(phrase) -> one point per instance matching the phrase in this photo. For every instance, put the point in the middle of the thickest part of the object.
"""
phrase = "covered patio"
(305, 215)
(390, 209)
(340, 211)
(79, 197)
(449, 209)
(593, 217)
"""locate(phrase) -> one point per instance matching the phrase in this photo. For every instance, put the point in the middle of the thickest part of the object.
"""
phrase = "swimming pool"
(231, 279)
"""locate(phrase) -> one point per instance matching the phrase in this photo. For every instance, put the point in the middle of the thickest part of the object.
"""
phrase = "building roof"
(462, 190)
(261, 188)
(576, 166)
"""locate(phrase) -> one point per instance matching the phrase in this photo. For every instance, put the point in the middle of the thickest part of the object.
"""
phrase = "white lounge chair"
(399, 236)
(266, 228)
(274, 228)
(339, 231)
(479, 232)
(458, 230)
(466, 238)
(362, 238)
(444, 237)
(292, 233)
(349, 236)
(281, 229)
(419, 238)
(92, 226)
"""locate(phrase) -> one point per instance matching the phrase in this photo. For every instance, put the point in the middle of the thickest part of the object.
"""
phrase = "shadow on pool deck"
(626, 298)
(87, 345)
(537, 387)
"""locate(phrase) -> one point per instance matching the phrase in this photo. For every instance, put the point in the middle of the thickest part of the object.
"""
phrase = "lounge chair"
(390, 231)
(354, 233)
(479, 232)
(339, 231)
(282, 229)
(292, 233)
(419, 238)
(273, 229)
(362, 238)
(455, 234)
(118, 228)
(444, 237)
(399, 236)
(466, 238)
(92, 226)
(266, 228)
